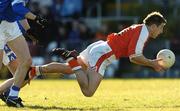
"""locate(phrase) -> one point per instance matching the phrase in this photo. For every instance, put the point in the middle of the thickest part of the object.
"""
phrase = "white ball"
(167, 56)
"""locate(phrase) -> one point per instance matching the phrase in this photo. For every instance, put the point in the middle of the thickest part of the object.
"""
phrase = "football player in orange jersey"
(89, 66)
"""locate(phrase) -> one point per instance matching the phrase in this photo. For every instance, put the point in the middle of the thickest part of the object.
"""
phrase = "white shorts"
(98, 55)
(8, 31)
(8, 55)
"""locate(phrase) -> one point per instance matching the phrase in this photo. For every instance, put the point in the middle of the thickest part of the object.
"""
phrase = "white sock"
(38, 70)
(14, 92)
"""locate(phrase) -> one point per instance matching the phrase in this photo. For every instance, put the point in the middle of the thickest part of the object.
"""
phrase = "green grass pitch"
(112, 95)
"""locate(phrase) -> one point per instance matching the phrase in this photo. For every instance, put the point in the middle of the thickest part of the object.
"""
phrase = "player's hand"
(32, 36)
(41, 21)
(158, 67)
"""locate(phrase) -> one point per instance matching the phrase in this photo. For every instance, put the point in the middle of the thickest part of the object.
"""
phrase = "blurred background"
(74, 24)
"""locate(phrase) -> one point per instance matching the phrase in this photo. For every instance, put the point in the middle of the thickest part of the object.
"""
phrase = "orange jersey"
(129, 41)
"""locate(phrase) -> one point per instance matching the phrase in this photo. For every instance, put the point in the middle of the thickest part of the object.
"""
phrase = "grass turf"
(112, 95)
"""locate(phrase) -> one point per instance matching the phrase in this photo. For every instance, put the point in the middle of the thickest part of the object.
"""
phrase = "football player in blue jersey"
(10, 12)
(10, 60)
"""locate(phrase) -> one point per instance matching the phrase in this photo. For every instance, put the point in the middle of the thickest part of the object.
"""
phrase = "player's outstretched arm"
(142, 60)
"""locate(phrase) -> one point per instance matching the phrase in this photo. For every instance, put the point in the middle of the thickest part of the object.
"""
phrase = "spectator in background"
(50, 32)
(56, 8)
(74, 40)
(174, 39)
(67, 8)
(34, 6)
(85, 34)
(45, 35)
(61, 35)
(71, 8)
(45, 3)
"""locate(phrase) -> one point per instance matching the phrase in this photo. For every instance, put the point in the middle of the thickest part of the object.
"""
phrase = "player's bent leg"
(89, 81)
(88, 84)
(20, 47)
(87, 78)
(82, 79)
(12, 66)
(94, 81)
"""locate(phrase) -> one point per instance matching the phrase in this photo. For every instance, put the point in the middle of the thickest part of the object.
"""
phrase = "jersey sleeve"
(137, 43)
(18, 7)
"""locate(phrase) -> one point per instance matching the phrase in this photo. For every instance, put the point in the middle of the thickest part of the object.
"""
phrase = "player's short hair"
(154, 18)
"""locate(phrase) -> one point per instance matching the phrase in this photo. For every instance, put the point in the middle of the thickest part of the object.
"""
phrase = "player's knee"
(88, 93)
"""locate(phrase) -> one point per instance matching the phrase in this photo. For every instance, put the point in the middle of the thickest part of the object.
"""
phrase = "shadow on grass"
(60, 108)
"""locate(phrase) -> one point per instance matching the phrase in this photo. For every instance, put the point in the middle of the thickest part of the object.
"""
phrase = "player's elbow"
(135, 58)
(132, 59)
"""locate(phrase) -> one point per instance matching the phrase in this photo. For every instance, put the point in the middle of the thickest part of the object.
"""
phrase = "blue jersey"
(13, 10)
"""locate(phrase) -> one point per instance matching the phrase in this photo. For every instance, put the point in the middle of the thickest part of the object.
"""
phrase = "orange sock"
(73, 64)
(32, 73)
